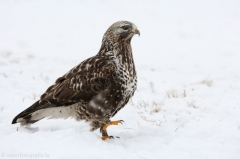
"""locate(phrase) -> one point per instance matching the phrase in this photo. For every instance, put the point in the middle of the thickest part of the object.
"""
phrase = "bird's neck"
(106, 46)
(123, 52)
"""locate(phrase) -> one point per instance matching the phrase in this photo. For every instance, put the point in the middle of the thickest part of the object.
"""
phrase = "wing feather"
(82, 82)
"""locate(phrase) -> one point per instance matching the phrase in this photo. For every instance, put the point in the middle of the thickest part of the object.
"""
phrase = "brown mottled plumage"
(96, 89)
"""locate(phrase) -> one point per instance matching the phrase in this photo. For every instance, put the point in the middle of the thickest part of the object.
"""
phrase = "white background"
(187, 105)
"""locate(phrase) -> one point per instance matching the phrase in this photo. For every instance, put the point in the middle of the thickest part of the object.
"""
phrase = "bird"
(94, 90)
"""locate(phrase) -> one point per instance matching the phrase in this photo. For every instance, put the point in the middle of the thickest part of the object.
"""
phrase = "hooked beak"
(136, 31)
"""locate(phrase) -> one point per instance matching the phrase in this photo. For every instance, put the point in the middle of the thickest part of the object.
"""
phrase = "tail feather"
(27, 113)
(41, 110)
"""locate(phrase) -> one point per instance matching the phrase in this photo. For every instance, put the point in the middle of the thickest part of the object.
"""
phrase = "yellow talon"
(104, 129)
(112, 123)
(107, 137)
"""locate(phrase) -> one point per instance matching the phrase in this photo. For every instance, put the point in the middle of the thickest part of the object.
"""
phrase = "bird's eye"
(125, 27)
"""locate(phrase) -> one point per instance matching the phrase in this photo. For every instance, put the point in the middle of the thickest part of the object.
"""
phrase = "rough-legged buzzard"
(96, 89)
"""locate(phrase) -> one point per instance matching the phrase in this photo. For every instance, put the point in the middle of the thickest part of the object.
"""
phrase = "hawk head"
(121, 31)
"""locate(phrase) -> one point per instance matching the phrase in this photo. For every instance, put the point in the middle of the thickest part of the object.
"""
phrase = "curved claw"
(112, 123)
(117, 122)
(107, 137)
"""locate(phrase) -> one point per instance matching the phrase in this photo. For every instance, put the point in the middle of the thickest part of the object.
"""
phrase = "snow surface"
(187, 105)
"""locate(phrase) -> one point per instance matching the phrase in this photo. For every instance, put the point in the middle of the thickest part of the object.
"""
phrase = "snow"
(187, 58)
